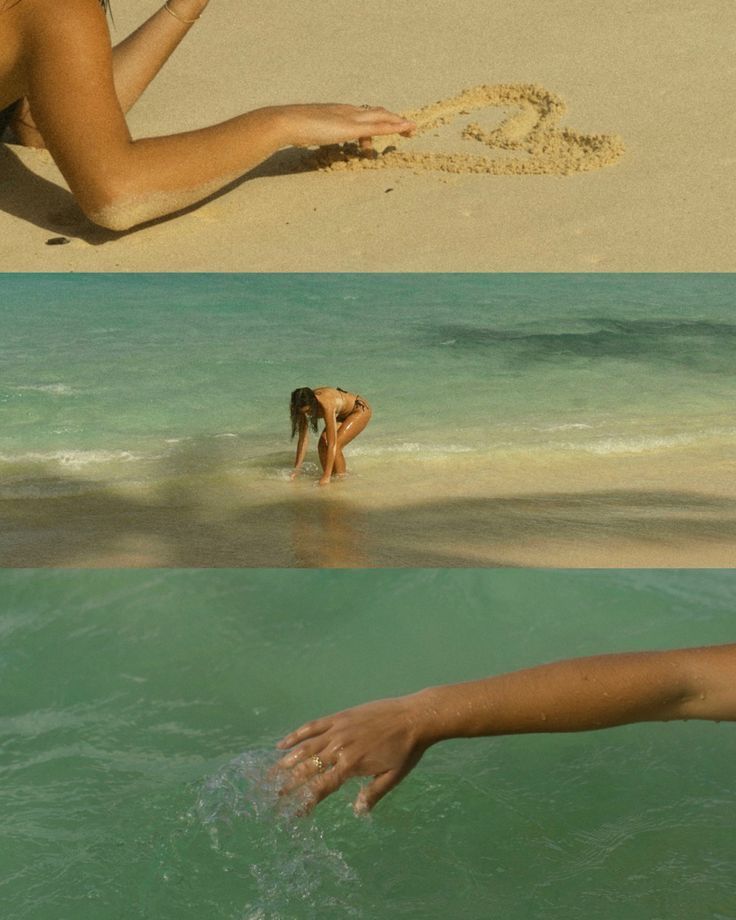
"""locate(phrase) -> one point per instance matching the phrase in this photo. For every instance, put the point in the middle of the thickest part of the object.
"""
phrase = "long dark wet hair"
(301, 397)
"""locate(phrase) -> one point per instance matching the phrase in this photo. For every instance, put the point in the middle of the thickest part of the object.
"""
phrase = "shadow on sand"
(201, 516)
(30, 197)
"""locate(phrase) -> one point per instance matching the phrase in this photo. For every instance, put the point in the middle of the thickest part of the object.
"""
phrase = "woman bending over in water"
(62, 86)
(345, 416)
(386, 739)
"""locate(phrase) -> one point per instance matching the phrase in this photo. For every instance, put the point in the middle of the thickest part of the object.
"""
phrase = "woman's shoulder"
(76, 12)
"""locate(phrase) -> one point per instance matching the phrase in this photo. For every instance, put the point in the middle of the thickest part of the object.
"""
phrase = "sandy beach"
(633, 170)
(627, 511)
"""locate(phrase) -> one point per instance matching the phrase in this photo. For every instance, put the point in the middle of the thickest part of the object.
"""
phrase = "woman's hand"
(321, 124)
(383, 739)
(387, 738)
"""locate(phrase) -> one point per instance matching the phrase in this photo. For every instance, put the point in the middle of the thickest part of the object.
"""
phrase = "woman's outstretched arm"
(120, 182)
(386, 739)
(301, 446)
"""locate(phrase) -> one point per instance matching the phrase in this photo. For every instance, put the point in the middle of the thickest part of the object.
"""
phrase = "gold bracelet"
(177, 16)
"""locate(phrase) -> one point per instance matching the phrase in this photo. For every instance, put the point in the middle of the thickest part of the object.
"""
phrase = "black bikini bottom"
(6, 116)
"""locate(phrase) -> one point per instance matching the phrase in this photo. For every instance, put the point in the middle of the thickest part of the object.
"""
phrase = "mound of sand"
(531, 128)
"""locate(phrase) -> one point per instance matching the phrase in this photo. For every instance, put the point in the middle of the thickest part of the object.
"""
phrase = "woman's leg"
(338, 468)
(348, 431)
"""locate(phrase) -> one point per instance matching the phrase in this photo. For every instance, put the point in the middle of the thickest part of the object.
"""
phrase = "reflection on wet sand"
(329, 531)
(592, 528)
(201, 506)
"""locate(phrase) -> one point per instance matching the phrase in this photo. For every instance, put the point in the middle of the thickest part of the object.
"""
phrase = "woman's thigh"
(353, 425)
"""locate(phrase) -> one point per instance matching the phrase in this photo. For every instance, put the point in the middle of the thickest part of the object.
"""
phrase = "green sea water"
(152, 411)
(138, 713)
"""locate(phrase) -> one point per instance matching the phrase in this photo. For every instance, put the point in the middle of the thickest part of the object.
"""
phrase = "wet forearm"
(567, 696)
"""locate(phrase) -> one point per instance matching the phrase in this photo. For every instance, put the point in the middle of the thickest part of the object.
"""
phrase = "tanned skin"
(76, 90)
(385, 739)
(344, 420)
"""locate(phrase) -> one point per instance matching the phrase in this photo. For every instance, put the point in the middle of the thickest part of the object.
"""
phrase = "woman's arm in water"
(120, 182)
(301, 446)
(331, 436)
(386, 739)
(135, 61)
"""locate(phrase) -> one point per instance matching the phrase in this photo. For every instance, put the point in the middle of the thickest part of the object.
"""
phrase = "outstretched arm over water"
(386, 739)
(120, 182)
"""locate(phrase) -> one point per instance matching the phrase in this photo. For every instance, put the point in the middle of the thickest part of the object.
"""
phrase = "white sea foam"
(409, 447)
(249, 823)
(55, 389)
(74, 459)
(638, 444)
(570, 426)
(283, 473)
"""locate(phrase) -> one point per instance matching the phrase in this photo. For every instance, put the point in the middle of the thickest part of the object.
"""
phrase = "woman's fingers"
(325, 784)
(301, 754)
(371, 794)
(312, 756)
(333, 123)
(304, 772)
(381, 121)
(308, 730)
(384, 126)
(374, 112)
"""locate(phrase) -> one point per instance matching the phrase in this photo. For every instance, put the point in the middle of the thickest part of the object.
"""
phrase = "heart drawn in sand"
(531, 131)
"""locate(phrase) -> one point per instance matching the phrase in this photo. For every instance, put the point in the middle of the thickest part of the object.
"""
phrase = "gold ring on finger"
(318, 762)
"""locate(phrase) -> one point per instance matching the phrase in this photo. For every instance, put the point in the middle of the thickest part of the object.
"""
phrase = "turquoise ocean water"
(122, 372)
(138, 712)
(171, 391)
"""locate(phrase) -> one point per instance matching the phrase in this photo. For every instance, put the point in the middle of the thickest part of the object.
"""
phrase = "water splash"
(253, 828)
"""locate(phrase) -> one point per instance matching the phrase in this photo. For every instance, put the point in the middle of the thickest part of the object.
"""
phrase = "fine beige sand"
(562, 136)
(627, 511)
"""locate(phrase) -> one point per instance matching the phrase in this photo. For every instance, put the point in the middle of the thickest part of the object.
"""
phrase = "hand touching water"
(383, 739)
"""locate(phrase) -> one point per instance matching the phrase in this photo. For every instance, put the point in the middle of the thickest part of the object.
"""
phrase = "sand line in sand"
(532, 130)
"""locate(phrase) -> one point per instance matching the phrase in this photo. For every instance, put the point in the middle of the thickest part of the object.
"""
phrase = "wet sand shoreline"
(627, 512)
